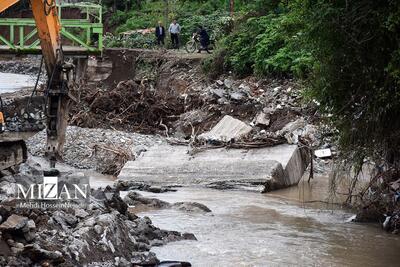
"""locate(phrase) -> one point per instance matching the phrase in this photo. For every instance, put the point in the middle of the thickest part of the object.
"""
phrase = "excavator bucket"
(12, 152)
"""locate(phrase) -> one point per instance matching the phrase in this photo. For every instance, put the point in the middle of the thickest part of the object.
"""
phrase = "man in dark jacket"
(204, 39)
(160, 33)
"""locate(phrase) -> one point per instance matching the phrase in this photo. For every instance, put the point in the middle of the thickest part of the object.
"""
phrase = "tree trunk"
(232, 7)
(166, 12)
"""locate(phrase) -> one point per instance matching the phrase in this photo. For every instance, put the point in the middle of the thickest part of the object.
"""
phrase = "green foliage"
(134, 40)
(356, 78)
(118, 18)
(190, 14)
(269, 45)
(217, 25)
(137, 21)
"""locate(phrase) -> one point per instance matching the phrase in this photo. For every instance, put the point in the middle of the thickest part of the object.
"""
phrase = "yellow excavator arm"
(57, 92)
(48, 26)
(4, 4)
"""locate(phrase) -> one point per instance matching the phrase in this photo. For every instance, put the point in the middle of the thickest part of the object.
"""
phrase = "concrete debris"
(293, 130)
(27, 65)
(262, 119)
(395, 185)
(237, 96)
(14, 222)
(226, 130)
(323, 153)
(76, 237)
(218, 92)
(23, 112)
(262, 169)
(228, 83)
(137, 201)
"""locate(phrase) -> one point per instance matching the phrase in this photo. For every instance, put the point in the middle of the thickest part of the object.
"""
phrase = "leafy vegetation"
(356, 78)
(269, 42)
(133, 40)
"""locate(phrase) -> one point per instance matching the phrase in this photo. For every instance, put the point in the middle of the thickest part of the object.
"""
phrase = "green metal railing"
(85, 33)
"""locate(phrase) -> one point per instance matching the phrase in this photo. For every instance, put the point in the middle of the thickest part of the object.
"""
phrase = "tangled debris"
(174, 99)
(380, 201)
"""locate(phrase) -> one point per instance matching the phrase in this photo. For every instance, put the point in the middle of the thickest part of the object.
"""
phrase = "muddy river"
(10, 82)
(279, 229)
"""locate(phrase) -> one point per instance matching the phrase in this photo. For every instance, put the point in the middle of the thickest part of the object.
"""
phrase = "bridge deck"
(68, 50)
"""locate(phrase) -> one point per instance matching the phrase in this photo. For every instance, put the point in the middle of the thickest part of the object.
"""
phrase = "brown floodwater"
(289, 227)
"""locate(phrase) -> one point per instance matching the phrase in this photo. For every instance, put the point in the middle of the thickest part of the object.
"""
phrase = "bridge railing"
(84, 34)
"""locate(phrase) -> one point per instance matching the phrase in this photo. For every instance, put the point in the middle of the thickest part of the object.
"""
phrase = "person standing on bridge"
(175, 30)
(160, 34)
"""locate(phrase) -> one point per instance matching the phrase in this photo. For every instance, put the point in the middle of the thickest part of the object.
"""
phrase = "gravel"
(96, 148)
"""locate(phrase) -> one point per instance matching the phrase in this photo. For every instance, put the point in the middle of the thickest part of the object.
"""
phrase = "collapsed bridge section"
(262, 169)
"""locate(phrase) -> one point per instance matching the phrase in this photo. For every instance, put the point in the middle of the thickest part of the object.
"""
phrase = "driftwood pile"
(129, 106)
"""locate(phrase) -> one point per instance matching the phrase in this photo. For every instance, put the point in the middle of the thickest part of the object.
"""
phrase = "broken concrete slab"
(263, 169)
(227, 129)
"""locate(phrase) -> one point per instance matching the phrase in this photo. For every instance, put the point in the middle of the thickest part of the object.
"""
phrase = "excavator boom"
(58, 73)
(4, 4)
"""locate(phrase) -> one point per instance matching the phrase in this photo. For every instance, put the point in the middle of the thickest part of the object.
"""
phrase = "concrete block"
(227, 129)
(263, 169)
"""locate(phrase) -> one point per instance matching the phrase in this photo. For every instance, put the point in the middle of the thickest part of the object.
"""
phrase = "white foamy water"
(10, 82)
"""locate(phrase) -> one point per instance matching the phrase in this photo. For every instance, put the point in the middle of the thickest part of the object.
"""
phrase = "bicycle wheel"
(191, 46)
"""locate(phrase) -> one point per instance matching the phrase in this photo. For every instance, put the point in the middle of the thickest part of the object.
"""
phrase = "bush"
(356, 78)
(269, 45)
(215, 64)
(134, 40)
